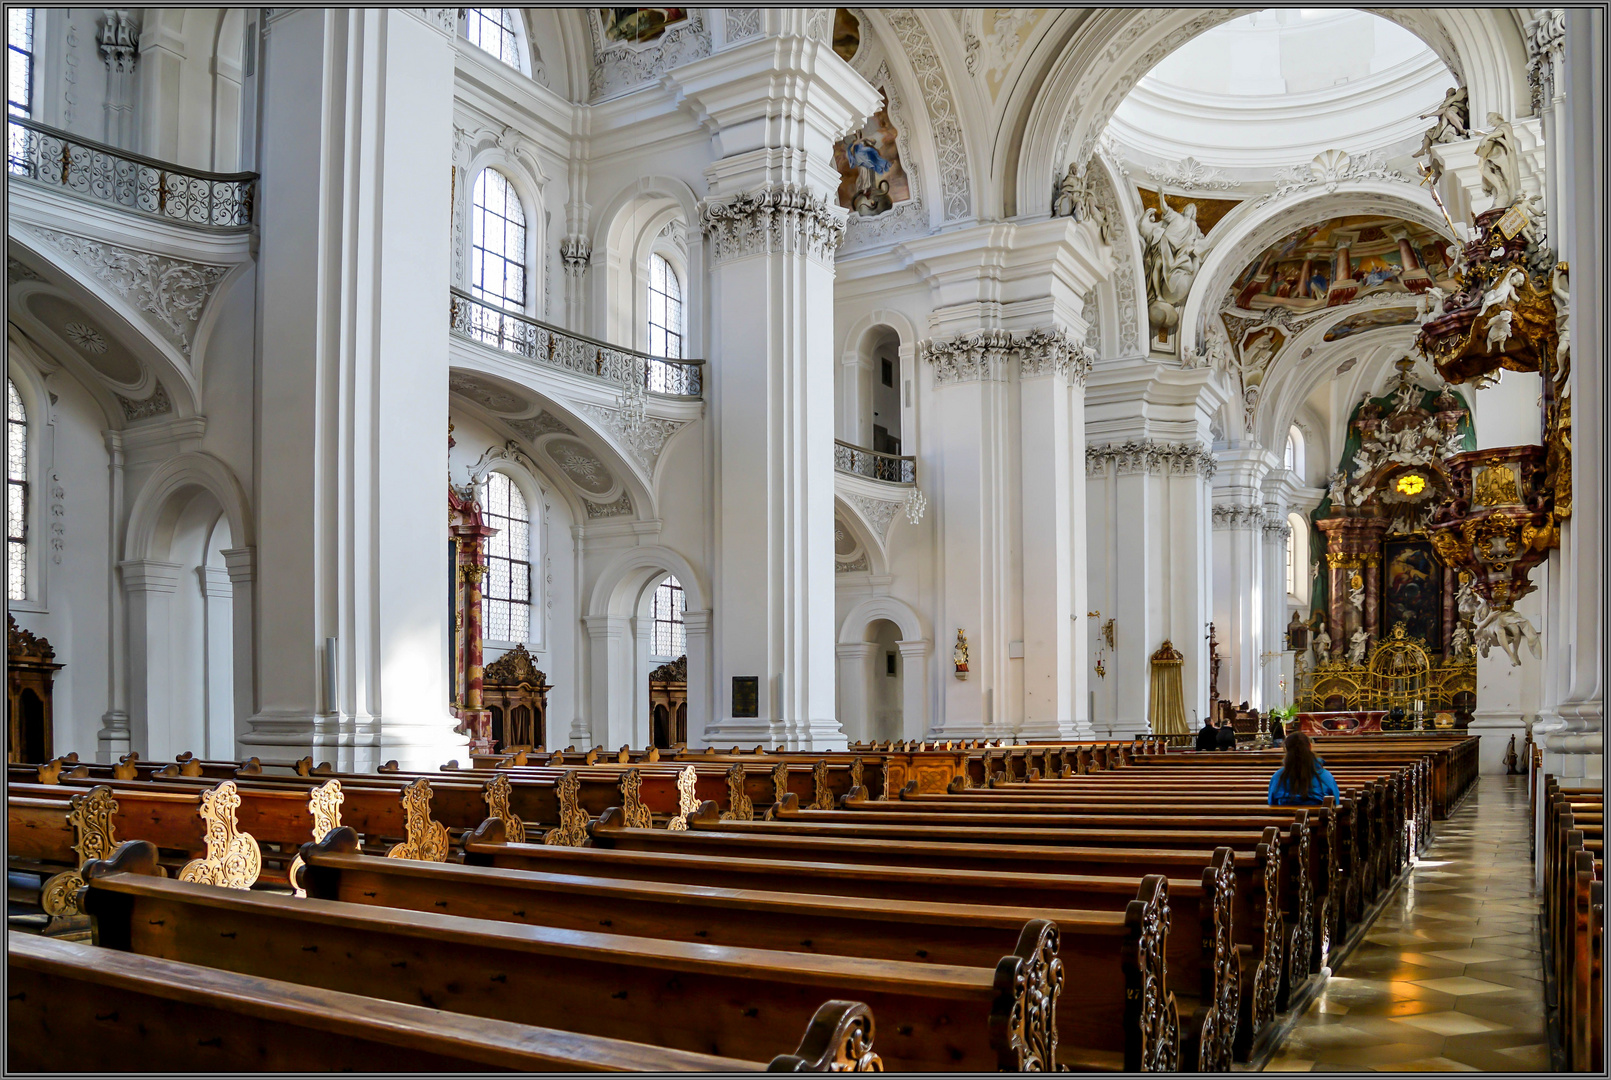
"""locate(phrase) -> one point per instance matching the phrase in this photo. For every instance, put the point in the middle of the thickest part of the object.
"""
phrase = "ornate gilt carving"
(1037, 982)
(739, 806)
(427, 839)
(91, 818)
(822, 795)
(572, 828)
(324, 804)
(233, 858)
(497, 792)
(780, 781)
(858, 772)
(1160, 1016)
(686, 803)
(637, 815)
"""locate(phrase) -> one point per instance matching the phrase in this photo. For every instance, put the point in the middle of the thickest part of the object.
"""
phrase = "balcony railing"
(105, 174)
(549, 345)
(874, 465)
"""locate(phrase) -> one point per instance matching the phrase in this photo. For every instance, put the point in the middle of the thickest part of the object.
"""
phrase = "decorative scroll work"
(1267, 977)
(1331, 168)
(686, 802)
(840, 1039)
(1303, 939)
(496, 792)
(955, 197)
(91, 818)
(1546, 48)
(1160, 1016)
(1330, 922)
(822, 795)
(1231, 516)
(172, 291)
(982, 356)
(324, 805)
(1154, 458)
(786, 218)
(635, 815)
(427, 840)
(619, 66)
(858, 772)
(1037, 982)
(780, 784)
(572, 828)
(1191, 174)
(740, 807)
(742, 23)
(1215, 1052)
(233, 859)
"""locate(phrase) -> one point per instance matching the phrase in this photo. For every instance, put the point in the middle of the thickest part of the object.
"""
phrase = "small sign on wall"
(746, 695)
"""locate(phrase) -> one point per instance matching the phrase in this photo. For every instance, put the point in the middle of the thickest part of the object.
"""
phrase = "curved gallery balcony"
(860, 461)
(95, 172)
(550, 346)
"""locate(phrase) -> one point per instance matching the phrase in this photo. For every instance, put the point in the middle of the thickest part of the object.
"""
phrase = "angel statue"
(1500, 163)
(1356, 591)
(1460, 644)
(1356, 647)
(1504, 290)
(1449, 119)
(1336, 488)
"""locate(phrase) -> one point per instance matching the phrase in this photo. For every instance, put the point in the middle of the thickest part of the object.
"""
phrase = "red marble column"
(475, 719)
(1373, 597)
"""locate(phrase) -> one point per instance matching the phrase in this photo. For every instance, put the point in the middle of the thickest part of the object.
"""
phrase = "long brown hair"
(1299, 766)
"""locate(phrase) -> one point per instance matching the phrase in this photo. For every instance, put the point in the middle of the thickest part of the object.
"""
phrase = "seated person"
(1278, 733)
(1206, 735)
(1302, 779)
(1225, 738)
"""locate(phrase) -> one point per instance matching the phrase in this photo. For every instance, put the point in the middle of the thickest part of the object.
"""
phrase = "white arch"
(618, 584)
(888, 608)
(613, 285)
(871, 542)
(195, 469)
(1260, 226)
(524, 175)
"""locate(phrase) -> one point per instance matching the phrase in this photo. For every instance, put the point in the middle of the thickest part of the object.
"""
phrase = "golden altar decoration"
(1399, 672)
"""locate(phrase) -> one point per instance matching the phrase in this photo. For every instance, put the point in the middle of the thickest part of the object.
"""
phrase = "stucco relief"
(1153, 458)
(944, 123)
(620, 66)
(782, 218)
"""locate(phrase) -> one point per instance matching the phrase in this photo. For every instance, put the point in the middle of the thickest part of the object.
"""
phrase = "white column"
(239, 563)
(612, 663)
(915, 676)
(352, 385)
(1271, 656)
(217, 634)
(772, 224)
(855, 700)
(149, 586)
(696, 624)
(113, 740)
(1239, 600)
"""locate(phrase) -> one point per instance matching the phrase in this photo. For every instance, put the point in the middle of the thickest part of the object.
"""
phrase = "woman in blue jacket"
(1302, 779)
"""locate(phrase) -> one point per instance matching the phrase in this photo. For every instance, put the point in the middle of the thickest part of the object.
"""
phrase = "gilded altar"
(1399, 672)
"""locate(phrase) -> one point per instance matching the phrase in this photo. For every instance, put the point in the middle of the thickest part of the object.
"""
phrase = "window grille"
(506, 593)
(666, 610)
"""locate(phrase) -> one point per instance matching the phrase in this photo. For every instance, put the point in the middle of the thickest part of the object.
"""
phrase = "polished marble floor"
(1449, 978)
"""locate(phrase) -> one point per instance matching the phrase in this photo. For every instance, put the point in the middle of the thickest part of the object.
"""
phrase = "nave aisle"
(1450, 978)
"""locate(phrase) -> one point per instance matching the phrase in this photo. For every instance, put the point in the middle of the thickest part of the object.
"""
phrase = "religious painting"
(746, 695)
(1342, 260)
(1412, 591)
(639, 24)
(1209, 211)
(1371, 320)
(1257, 350)
(871, 178)
(846, 33)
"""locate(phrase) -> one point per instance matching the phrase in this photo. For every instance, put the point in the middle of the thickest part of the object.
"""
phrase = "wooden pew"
(1099, 944)
(78, 1008)
(703, 998)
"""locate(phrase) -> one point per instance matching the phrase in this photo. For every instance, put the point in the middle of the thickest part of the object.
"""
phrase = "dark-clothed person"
(1278, 733)
(1206, 737)
(1302, 779)
(1225, 739)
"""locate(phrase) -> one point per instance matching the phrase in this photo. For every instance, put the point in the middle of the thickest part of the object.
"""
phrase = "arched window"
(16, 492)
(1291, 461)
(665, 310)
(492, 30)
(1294, 454)
(19, 81)
(670, 637)
(497, 242)
(506, 599)
(1297, 556)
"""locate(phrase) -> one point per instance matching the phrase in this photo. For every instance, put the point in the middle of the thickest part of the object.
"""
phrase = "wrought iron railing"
(537, 341)
(105, 174)
(874, 465)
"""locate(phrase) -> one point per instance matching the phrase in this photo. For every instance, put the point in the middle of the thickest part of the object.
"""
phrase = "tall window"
(1297, 556)
(16, 494)
(1291, 461)
(665, 310)
(497, 242)
(666, 609)
(19, 81)
(493, 30)
(506, 599)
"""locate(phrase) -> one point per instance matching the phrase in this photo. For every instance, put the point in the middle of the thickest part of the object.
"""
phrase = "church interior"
(805, 539)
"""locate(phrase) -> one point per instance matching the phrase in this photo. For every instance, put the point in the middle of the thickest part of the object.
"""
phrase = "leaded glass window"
(506, 592)
(492, 30)
(665, 310)
(19, 82)
(666, 611)
(497, 242)
(16, 495)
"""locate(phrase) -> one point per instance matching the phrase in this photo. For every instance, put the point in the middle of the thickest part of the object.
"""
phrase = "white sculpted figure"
(1499, 330)
(1460, 643)
(1171, 255)
(1504, 290)
(1336, 487)
(1365, 459)
(1356, 592)
(1501, 169)
(1070, 197)
(1429, 305)
(1356, 647)
(1322, 644)
(1449, 119)
(1506, 629)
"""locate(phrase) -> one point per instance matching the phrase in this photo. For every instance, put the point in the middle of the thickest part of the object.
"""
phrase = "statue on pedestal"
(1501, 166)
(1356, 647)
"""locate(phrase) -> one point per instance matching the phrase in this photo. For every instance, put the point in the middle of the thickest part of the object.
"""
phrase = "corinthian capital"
(773, 219)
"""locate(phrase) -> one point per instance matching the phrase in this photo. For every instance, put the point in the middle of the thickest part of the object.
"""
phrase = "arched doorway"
(663, 632)
(884, 698)
(883, 672)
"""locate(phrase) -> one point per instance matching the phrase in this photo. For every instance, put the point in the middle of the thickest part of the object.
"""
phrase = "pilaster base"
(113, 740)
(746, 732)
(1495, 730)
